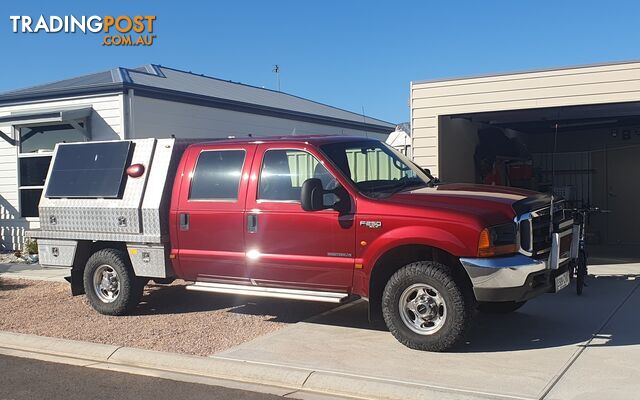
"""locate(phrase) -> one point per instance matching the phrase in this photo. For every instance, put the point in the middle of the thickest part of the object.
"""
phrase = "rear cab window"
(217, 175)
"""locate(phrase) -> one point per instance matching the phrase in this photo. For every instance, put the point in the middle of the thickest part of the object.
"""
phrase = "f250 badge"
(371, 224)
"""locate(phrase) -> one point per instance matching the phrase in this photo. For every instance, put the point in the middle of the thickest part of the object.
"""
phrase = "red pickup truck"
(307, 218)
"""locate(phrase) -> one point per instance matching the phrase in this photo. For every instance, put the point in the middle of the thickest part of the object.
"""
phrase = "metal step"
(262, 291)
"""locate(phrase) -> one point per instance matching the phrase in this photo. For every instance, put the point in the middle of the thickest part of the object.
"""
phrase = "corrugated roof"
(177, 81)
(98, 78)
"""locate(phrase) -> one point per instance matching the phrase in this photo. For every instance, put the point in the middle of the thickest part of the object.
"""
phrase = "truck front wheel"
(110, 284)
(425, 308)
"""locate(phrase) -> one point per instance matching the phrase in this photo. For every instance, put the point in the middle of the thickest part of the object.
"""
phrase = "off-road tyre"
(130, 287)
(499, 307)
(458, 302)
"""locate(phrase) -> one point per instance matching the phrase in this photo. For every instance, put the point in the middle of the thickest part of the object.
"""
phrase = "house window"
(34, 156)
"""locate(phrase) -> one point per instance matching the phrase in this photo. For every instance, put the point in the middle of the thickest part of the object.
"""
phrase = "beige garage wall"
(597, 84)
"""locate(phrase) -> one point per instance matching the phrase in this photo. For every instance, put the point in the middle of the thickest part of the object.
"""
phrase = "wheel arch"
(84, 250)
(397, 257)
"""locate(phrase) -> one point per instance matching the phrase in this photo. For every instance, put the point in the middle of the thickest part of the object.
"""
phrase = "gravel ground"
(170, 318)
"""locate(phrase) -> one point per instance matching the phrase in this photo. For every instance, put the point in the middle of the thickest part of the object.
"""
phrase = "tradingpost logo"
(121, 30)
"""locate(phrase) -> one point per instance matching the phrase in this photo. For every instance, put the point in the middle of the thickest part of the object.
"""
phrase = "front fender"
(420, 235)
(462, 243)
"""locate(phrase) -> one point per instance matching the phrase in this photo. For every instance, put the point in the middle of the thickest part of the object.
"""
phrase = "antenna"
(276, 70)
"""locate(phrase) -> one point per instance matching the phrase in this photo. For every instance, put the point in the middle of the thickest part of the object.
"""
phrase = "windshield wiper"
(404, 185)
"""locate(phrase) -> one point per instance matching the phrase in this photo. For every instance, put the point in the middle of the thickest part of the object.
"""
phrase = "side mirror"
(312, 195)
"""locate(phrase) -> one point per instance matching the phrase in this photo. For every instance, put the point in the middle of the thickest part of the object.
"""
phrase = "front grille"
(535, 235)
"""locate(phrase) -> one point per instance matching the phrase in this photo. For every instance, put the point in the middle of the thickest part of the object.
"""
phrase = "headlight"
(497, 240)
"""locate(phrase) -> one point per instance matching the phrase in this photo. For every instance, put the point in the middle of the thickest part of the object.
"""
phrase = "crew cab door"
(210, 216)
(287, 246)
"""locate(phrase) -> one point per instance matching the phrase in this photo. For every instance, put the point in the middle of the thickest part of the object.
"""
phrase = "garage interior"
(590, 155)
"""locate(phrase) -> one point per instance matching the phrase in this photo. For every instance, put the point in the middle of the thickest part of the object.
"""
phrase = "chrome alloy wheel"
(422, 309)
(106, 283)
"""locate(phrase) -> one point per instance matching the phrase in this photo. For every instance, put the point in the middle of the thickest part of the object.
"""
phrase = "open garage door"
(590, 155)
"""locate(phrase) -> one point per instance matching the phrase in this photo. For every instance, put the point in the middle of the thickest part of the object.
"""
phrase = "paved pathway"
(556, 347)
(33, 271)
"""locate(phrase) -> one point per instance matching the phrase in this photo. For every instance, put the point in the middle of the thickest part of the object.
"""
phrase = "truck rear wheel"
(110, 284)
(425, 308)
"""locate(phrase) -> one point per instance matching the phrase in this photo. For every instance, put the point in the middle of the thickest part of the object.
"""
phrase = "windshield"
(377, 170)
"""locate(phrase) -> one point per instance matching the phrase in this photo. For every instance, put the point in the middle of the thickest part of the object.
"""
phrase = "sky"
(356, 55)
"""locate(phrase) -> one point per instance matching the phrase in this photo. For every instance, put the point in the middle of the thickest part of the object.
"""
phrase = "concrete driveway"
(556, 347)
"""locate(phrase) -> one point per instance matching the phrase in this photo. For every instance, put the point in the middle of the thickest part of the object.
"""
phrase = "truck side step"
(262, 291)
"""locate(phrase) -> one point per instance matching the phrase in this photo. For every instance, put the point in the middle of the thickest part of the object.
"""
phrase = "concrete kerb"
(57, 347)
(293, 379)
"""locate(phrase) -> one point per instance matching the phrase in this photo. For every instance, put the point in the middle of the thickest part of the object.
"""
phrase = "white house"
(400, 139)
(149, 101)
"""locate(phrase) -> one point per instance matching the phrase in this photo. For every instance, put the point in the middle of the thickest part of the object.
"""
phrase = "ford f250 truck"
(305, 218)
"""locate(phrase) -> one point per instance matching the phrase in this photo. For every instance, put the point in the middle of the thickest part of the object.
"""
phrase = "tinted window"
(89, 170)
(33, 170)
(217, 175)
(29, 200)
(284, 172)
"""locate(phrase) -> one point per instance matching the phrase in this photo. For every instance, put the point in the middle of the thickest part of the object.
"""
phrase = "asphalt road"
(22, 378)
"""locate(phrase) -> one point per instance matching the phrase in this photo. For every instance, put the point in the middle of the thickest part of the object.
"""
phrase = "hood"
(490, 204)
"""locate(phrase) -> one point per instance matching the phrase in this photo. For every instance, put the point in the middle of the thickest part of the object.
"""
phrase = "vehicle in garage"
(309, 218)
(573, 131)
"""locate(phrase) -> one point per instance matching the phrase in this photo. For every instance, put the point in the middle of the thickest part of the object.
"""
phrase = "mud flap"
(77, 285)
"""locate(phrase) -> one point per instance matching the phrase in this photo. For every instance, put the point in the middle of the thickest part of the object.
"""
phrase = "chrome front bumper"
(512, 278)
(501, 272)
(523, 275)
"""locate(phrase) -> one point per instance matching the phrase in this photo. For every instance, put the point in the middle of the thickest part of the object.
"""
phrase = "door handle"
(252, 223)
(184, 221)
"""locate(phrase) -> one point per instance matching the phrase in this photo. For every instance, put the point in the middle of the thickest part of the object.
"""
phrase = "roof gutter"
(232, 105)
(18, 98)
(195, 99)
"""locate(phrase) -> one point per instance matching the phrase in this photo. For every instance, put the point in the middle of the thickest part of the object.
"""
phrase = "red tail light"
(135, 171)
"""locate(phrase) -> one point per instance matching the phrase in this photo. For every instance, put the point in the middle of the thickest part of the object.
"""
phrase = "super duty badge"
(371, 224)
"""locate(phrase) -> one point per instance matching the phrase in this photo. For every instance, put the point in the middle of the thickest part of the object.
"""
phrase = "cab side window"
(284, 171)
(217, 175)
